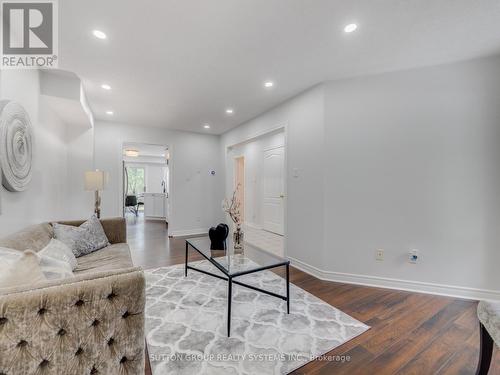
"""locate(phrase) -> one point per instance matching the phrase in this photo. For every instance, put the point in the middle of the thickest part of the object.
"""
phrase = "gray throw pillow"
(82, 240)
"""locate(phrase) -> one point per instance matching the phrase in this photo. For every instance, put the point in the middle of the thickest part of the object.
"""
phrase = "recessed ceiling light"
(350, 28)
(110, 113)
(99, 34)
(105, 86)
(268, 84)
(229, 111)
(206, 126)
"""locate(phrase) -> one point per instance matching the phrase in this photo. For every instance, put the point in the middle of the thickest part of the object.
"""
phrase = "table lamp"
(95, 181)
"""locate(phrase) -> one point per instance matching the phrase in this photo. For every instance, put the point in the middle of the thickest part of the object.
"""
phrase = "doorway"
(146, 181)
(257, 168)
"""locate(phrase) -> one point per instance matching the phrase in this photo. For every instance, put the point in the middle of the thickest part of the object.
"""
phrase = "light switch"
(295, 173)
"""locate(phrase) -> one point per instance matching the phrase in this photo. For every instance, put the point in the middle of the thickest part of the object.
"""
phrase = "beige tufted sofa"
(90, 324)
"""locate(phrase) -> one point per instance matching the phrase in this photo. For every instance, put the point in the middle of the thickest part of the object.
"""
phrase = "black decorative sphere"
(218, 237)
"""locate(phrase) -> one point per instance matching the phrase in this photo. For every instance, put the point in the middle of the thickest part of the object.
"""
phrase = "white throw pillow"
(8, 256)
(19, 269)
(60, 251)
(52, 269)
(55, 269)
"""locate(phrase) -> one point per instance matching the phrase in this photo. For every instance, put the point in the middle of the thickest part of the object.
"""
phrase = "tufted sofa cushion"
(91, 324)
(111, 257)
(488, 313)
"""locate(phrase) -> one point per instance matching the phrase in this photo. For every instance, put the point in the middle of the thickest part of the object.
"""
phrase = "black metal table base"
(231, 281)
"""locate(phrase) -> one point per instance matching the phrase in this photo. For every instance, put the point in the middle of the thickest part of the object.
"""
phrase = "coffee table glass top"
(250, 259)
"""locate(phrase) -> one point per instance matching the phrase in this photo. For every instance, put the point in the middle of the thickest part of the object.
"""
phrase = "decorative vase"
(238, 238)
(218, 237)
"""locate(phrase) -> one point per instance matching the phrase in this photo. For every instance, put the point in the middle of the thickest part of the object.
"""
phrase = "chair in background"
(131, 204)
(140, 201)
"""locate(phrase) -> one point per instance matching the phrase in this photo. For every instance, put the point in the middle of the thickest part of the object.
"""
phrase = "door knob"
(282, 195)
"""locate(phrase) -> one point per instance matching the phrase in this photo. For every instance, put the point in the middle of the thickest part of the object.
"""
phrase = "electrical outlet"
(379, 254)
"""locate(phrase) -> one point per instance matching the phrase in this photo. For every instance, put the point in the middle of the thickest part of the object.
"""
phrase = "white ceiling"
(179, 64)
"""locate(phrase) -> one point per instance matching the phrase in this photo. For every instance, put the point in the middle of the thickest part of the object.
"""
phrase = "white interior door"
(273, 188)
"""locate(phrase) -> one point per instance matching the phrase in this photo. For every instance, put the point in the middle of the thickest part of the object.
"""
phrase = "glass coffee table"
(233, 265)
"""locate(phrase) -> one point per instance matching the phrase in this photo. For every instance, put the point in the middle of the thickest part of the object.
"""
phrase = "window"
(136, 180)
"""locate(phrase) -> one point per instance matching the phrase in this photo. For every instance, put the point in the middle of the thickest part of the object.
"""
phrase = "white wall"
(80, 143)
(413, 162)
(195, 195)
(395, 161)
(303, 118)
(253, 153)
(46, 197)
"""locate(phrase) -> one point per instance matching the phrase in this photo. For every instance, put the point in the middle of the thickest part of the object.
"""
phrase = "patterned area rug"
(186, 327)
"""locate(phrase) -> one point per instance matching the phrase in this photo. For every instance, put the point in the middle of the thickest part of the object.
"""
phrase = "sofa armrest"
(94, 322)
(114, 227)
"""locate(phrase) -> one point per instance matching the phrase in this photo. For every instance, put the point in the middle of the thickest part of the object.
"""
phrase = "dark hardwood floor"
(411, 333)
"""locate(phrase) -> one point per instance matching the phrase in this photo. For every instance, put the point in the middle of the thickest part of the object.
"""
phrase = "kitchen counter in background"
(156, 206)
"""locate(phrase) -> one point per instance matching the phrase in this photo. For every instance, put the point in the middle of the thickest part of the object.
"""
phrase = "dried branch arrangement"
(232, 207)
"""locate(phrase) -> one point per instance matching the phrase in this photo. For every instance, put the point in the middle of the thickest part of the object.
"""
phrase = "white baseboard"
(398, 284)
(155, 218)
(188, 232)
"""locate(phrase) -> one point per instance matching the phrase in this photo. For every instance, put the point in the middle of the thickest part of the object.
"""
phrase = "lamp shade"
(95, 180)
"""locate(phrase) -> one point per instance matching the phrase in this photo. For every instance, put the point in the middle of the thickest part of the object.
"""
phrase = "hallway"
(150, 245)
(265, 240)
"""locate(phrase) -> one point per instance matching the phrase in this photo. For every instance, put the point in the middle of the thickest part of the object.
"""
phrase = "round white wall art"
(16, 152)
